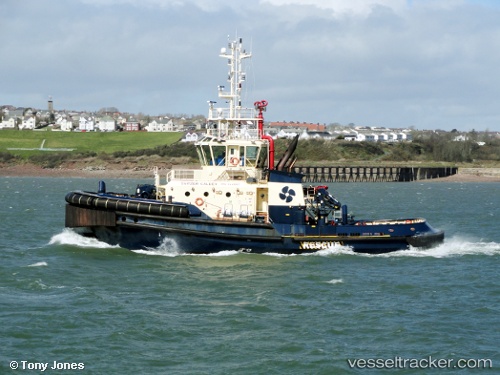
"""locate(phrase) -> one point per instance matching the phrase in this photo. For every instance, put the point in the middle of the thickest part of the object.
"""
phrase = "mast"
(235, 121)
(236, 77)
(233, 114)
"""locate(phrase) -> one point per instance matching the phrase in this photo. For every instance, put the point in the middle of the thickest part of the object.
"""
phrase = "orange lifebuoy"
(199, 201)
(234, 161)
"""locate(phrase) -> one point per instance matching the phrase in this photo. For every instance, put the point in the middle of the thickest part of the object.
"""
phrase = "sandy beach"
(30, 170)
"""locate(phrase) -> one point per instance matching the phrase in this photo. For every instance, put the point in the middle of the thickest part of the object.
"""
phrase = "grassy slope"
(92, 141)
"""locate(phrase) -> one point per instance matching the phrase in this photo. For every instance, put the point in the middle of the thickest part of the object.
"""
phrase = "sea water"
(72, 304)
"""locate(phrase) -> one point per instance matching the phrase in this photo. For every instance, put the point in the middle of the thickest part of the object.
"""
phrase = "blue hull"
(196, 237)
(202, 243)
(142, 224)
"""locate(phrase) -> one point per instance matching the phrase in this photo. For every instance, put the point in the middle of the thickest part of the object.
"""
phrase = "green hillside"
(95, 142)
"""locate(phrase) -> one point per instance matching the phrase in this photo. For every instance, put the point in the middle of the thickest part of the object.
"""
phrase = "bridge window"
(253, 156)
(219, 155)
(204, 155)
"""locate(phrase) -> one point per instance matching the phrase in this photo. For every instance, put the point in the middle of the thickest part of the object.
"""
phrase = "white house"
(161, 125)
(401, 137)
(350, 137)
(106, 124)
(382, 137)
(320, 135)
(304, 135)
(288, 134)
(461, 138)
(86, 124)
(407, 136)
(366, 137)
(8, 122)
(191, 137)
(64, 124)
(28, 122)
(392, 137)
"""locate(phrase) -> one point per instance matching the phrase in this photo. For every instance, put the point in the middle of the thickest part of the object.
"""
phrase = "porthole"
(228, 194)
(187, 193)
(205, 194)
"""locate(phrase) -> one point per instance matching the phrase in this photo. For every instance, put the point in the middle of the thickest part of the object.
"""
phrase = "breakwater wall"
(373, 174)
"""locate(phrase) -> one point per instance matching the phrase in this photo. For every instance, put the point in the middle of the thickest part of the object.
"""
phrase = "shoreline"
(30, 170)
(36, 171)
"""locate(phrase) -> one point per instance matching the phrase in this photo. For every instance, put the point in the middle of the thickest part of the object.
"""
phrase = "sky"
(426, 64)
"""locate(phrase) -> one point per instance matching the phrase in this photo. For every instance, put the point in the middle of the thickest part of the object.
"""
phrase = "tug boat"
(239, 198)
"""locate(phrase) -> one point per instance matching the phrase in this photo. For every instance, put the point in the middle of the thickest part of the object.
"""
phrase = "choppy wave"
(170, 248)
(38, 264)
(70, 237)
(334, 250)
(452, 247)
(167, 248)
(223, 253)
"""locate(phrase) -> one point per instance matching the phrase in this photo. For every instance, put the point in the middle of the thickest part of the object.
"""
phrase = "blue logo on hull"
(287, 194)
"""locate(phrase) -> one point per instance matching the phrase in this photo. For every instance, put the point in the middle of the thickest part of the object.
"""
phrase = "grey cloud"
(421, 65)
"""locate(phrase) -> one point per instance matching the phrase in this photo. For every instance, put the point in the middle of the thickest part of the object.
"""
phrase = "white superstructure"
(234, 155)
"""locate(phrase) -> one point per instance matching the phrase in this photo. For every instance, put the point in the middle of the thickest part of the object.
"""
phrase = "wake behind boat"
(239, 198)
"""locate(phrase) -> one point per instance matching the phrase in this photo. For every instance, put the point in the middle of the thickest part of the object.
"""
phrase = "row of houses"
(359, 135)
(21, 118)
(347, 135)
(29, 120)
(109, 124)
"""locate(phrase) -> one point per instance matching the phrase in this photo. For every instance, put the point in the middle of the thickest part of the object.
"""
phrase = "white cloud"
(342, 7)
(206, 5)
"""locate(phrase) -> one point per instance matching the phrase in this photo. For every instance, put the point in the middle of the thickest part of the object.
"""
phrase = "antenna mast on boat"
(235, 121)
(234, 54)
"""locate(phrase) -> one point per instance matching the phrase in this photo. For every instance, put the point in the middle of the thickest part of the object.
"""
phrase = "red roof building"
(298, 125)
